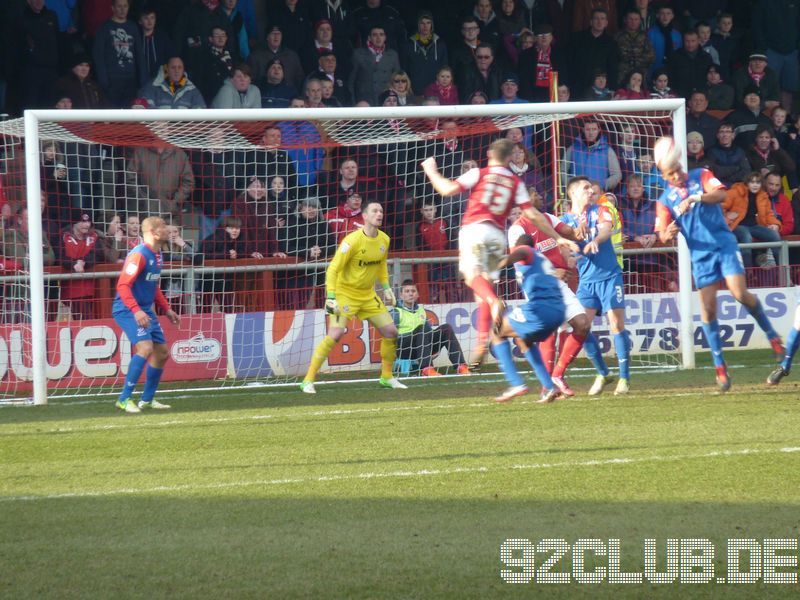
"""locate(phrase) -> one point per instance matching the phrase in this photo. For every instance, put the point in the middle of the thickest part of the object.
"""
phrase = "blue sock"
(791, 348)
(502, 352)
(135, 369)
(757, 313)
(712, 335)
(534, 357)
(593, 352)
(151, 383)
(623, 351)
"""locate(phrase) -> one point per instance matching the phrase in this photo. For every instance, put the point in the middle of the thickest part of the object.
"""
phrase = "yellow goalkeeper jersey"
(360, 261)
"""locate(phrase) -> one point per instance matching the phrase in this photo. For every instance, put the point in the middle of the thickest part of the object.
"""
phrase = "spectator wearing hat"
(689, 65)
(635, 48)
(695, 156)
(536, 64)
(698, 119)
(77, 253)
(776, 28)
(323, 44)
(720, 95)
(484, 75)
(328, 70)
(757, 73)
(260, 58)
(508, 91)
(155, 44)
(373, 67)
(747, 117)
(593, 49)
(78, 85)
(338, 14)
(118, 59)
(294, 21)
(238, 91)
(275, 91)
(423, 54)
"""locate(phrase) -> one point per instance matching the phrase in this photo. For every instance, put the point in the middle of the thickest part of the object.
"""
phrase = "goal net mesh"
(255, 211)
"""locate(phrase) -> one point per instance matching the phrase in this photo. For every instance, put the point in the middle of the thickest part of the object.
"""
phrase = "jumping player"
(540, 315)
(137, 289)
(690, 205)
(575, 313)
(494, 191)
(600, 288)
(350, 280)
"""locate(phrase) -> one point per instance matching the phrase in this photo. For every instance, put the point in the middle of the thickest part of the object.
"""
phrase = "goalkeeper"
(350, 282)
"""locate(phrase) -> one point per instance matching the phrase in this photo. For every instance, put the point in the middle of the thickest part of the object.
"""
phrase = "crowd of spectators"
(735, 62)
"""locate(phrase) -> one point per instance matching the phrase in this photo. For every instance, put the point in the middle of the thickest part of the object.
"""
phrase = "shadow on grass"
(323, 547)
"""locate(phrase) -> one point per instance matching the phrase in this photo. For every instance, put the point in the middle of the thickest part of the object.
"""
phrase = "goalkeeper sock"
(547, 350)
(622, 349)
(534, 357)
(569, 351)
(388, 353)
(761, 318)
(792, 343)
(151, 383)
(502, 352)
(594, 354)
(135, 369)
(320, 354)
(711, 330)
(483, 289)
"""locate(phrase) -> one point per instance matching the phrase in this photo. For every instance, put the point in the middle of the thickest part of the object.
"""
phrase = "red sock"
(484, 322)
(547, 348)
(562, 339)
(483, 289)
(570, 350)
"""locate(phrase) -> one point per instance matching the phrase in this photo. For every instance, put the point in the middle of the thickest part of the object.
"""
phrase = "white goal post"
(340, 127)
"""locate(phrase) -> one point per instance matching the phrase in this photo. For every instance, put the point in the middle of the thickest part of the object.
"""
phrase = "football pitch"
(360, 492)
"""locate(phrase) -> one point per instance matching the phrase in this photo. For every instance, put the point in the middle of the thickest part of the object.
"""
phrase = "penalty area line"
(400, 474)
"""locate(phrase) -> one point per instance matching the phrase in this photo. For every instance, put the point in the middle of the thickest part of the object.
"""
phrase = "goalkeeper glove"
(331, 306)
(389, 297)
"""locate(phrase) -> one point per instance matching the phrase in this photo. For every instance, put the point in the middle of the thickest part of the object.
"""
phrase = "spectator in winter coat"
(593, 49)
(727, 41)
(295, 23)
(424, 54)
(689, 65)
(443, 89)
(781, 205)
(728, 160)
(591, 156)
(238, 91)
(155, 44)
(720, 95)
(32, 41)
(78, 86)
(216, 65)
(373, 67)
(635, 48)
(748, 210)
(663, 35)
(747, 118)
(172, 88)
(261, 58)
(161, 179)
(695, 155)
(275, 91)
(757, 74)
(78, 252)
(697, 119)
(536, 64)
(766, 155)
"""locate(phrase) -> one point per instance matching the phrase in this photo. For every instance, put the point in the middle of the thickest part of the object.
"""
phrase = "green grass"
(359, 492)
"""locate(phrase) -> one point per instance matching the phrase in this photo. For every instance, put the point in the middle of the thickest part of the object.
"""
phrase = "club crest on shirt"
(382, 249)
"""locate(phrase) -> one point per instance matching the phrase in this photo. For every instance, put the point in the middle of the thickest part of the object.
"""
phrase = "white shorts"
(480, 248)
(574, 306)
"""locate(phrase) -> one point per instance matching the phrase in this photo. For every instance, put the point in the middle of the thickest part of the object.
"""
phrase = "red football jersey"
(542, 242)
(494, 192)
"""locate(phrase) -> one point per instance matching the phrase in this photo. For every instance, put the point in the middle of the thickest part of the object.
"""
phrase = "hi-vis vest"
(616, 227)
(410, 319)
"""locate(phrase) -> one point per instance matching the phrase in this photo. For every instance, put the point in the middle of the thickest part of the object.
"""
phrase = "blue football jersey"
(142, 272)
(603, 265)
(536, 279)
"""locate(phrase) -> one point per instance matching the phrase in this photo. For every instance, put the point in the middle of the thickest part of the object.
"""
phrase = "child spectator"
(660, 88)
(443, 88)
(748, 210)
(727, 42)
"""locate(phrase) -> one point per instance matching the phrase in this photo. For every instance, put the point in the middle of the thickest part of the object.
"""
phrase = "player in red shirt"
(494, 191)
(575, 313)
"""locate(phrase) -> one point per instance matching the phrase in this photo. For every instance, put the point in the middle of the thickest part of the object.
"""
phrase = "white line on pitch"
(399, 474)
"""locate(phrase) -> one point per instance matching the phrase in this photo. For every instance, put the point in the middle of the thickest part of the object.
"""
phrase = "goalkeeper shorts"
(372, 309)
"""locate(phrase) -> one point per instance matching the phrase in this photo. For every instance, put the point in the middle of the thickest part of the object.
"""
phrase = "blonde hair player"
(350, 281)
(691, 205)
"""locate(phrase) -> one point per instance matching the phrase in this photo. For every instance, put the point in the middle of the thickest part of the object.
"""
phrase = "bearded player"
(494, 191)
(350, 280)
(691, 205)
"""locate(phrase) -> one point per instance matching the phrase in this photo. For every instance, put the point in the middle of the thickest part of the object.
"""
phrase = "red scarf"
(543, 67)
(757, 77)
(378, 52)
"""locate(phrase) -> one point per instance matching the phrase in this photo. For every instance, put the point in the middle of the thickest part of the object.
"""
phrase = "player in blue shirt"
(600, 287)
(536, 319)
(691, 205)
(137, 289)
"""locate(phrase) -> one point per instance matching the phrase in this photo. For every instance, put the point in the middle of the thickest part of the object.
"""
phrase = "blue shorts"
(602, 296)
(710, 267)
(534, 323)
(135, 333)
